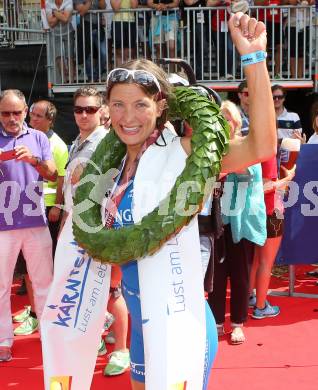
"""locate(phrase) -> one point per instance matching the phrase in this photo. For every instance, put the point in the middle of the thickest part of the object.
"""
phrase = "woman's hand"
(248, 35)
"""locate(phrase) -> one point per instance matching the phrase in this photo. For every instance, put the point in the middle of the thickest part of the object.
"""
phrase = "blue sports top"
(124, 218)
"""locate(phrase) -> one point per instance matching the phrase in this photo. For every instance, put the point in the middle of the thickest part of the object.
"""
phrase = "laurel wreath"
(209, 143)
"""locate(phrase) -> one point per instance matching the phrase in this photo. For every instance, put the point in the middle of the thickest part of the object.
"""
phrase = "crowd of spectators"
(170, 28)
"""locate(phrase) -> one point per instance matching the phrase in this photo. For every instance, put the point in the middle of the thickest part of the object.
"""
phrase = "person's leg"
(278, 59)
(230, 70)
(240, 260)
(54, 230)
(69, 49)
(172, 54)
(103, 56)
(37, 250)
(219, 43)
(60, 67)
(117, 306)
(30, 323)
(293, 34)
(10, 244)
(117, 32)
(88, 50)
(300, 67)
(217, 297)
(267, 255)
(254, 267)
(119, 360)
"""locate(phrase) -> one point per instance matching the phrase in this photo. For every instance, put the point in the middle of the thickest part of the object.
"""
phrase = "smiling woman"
(149, 159)
(138, 110)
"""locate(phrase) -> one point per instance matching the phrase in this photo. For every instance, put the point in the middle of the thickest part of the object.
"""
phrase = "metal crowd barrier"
(86, 49)
(22, 15)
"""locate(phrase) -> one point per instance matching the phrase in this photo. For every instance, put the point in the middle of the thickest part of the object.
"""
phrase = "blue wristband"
(253, 58)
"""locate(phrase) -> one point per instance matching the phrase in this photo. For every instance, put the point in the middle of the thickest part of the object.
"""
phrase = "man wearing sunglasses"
(42, 117)
(25, 160)
(88, 113)
(288, 123)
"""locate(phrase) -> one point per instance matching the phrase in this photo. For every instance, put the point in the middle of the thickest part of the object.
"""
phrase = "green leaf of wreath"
(209, 143)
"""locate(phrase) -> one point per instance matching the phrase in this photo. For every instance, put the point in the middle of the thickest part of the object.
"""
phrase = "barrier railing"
(22, 15)
(87, 48)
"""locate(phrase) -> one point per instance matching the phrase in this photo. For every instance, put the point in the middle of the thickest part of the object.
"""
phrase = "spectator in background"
(222, 38)
(59, 14)
(124, 30)
(273, 18)
(265, 256)
(299, 35)
(243, 107)
(144, 18)
(314, 138)
(107, 21)
(164, 27)
(22, 221)
(197, 21)
(42, 117)
(93, 45)
(288, 123)
(244, 217)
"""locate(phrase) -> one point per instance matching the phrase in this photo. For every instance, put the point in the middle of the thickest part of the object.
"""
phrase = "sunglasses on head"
(278, 97)
(90, 110)
(7, 114)
(142, 77)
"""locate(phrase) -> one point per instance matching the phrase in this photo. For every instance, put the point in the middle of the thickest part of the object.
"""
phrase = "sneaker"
(118, 363)
(268, 311)
(109, 320)
(23, 315)
(5, 354)
(110, 338)
(252, 301)
(102, 348)
(29, 326)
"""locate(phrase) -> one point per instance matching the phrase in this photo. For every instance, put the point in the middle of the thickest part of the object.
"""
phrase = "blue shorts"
(137, 365)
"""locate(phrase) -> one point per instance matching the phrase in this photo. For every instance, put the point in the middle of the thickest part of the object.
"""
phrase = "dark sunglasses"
(90, 110)
(7, 114)
(278, 97)
(142, 77)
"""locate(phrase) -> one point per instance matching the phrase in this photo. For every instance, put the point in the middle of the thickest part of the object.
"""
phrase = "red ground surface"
(279, 353)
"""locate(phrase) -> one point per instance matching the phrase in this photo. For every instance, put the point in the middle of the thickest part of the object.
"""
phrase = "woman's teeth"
(130, 129)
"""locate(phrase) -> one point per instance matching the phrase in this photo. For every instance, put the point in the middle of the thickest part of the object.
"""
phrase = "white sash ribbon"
(171, 282)
(74, 314)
